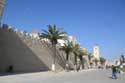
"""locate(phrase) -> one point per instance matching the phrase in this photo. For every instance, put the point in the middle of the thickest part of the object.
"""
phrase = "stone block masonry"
(25, 54)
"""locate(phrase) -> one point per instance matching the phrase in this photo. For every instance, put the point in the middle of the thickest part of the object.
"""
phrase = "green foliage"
(67, 48)
(78, 52)
(95, 60)
(76, 48)
(102, 60)
(5, 26)
(53, 34)
(90, 56)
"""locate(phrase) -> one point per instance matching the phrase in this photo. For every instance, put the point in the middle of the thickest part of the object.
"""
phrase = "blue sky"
(90, 21)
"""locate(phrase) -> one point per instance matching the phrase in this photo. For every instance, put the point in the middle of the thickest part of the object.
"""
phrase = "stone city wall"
(26, 53)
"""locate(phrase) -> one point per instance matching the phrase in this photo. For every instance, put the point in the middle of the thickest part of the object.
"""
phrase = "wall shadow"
(14, 52)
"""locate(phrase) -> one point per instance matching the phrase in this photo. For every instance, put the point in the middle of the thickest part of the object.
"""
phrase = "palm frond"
(45, 31)
(43, 35)
(53, 34)
(68, 47)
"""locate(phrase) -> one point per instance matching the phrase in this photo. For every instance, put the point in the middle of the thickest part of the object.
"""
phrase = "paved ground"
(86, 76)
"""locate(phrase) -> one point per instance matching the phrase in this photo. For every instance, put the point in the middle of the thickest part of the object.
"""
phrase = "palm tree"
(81, 54)
(96, 61)
(76, 48)
(67, 48)
(102, 60)
(90, 57)
(53, 34)
(78, 52)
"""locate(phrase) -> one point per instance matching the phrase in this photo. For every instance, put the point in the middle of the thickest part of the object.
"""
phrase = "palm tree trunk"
(54, 59)
(75, 60)
(67, 61)
(54, 54)
(81, 62)
(75, 66)
(67, 56)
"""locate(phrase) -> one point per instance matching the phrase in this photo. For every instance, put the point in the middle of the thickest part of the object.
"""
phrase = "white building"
(61, 42)
(35, 34)
(69, 38)
(72, 39)
(96, 52)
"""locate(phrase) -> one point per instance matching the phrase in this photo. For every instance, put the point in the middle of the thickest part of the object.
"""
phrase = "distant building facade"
(69, 38)
(35, 34)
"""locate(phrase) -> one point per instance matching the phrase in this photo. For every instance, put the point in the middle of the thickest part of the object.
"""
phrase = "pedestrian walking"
(114, 72)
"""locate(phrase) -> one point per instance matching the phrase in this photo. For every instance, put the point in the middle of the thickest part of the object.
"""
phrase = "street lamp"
(2, 3)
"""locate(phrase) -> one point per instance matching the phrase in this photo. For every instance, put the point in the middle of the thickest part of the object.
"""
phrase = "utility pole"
(2, 4)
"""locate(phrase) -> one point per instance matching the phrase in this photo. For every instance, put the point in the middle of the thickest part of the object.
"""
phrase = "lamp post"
(2, 3)
(123, 58)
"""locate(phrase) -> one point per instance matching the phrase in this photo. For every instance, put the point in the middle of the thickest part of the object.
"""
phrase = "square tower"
(96, 52)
